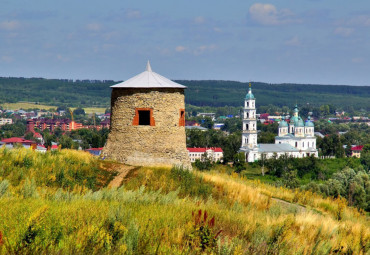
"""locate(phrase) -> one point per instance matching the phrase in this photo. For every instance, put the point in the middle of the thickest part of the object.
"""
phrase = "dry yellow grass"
(327, 224)
(259, 194)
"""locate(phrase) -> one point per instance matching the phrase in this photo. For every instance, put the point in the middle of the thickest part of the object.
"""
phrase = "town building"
(214, 154)
(4, 121)
(218, 126)
(17, 140)
(148, 122)
(207, 114)
(52, 124)
(196, 128)
(94, 151)
(356, 151)
(295, 139)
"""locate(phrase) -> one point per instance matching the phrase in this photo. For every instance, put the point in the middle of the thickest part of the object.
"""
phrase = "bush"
(190, 183)
(290, 179)
(203, 235)
(4, 185)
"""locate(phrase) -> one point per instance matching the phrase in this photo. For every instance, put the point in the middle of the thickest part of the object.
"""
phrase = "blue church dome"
(309, 123)
(249, 94)
(293, 120)
(300, 123)
(283, 123)
(296, 108)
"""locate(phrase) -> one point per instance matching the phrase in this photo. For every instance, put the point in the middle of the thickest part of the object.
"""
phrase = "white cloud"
(199, 20)
(361, 20)
(180, 48)
(9, 25)
(94, 27)
(196, 50)
(217, 29)
(293, 42)
(61, 58)
(204, 48)
(343, 31)
(6, 59)
(268, 14)
(133, 14)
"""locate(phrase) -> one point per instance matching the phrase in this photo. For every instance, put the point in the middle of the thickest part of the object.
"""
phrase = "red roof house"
(356, 151)
(14, 140)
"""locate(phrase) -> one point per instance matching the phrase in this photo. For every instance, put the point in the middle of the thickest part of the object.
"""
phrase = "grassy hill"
(200, 93)
(59, 203)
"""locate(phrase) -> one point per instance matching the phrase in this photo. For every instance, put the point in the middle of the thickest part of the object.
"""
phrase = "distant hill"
(55, 92)
(220, 93)
(200, 93)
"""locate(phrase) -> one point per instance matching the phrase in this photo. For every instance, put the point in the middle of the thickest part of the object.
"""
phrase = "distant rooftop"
(196, 127)
(276, 148)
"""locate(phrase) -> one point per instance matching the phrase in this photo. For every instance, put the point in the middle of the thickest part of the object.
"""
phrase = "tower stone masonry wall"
(163, 144)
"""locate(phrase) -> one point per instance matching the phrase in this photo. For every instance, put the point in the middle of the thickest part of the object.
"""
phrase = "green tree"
(366, 148)
(290, 179)
(204, 163)
(29, 136)
(48, 137)
(207, 123)
(232, 125)
(79, 111)
(239, 162)
(365, 160)
(66, 142)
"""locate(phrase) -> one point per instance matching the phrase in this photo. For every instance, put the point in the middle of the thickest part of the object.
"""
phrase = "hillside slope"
(162, 211)
(200, 93)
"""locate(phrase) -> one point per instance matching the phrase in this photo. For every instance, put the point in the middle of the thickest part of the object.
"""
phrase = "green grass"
(155, 212)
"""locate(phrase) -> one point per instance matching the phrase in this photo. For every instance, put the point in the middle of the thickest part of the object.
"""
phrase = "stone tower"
(249, 136)
(148, 122)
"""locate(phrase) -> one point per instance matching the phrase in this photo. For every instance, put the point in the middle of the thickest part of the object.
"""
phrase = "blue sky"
(295, 41)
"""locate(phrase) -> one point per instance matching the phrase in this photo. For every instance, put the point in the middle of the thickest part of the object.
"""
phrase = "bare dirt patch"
(122, 171)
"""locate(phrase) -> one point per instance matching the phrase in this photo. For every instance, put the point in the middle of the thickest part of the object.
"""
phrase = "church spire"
(249, 94)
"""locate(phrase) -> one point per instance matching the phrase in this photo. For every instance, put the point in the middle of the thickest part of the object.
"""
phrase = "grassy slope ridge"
(153, 212)
(200, 93)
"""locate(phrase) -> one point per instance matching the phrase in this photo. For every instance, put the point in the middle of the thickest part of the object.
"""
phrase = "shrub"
(30, 189)
(290, 179)
(203, 234)
(4, 185)
(190, 183)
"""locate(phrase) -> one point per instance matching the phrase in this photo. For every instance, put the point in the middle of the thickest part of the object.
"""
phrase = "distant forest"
(96, 93)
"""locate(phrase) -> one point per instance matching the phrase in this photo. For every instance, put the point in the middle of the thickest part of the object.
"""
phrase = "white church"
(295, 139)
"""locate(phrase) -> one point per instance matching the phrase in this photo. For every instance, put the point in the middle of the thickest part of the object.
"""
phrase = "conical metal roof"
(148, 79)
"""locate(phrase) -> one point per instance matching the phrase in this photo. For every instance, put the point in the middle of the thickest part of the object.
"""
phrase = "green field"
(29, 105)
(26, 106)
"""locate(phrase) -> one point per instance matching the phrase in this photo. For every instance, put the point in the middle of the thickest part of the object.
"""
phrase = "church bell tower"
(249, 136)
